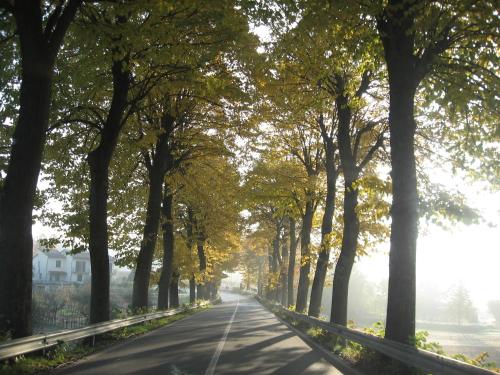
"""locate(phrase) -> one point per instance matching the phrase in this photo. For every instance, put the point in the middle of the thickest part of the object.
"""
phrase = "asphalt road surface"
(236, 337)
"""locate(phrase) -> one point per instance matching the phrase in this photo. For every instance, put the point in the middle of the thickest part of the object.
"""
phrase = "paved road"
(236, 337)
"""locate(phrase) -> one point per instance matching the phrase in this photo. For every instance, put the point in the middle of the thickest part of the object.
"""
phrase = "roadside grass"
(66, 353)
(369, 361)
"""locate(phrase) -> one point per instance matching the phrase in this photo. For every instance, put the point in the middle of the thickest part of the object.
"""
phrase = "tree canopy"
(173, 136)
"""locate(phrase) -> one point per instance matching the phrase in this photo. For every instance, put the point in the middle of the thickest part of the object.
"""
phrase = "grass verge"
(368, 361)
(66, 353)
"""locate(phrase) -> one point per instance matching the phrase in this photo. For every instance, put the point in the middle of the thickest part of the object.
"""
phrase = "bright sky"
(469, 255)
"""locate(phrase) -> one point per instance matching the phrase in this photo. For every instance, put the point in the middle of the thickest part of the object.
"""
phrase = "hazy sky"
(467, 254)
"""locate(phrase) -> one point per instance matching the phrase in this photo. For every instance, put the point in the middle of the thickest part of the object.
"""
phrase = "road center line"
(215, 357)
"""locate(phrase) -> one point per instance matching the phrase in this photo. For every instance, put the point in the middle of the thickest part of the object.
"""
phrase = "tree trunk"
(269, 289)
(340, 288)
(326, 229)
(305, 254)
(202, 293)
(404, 231)
(98, 244)
(275, 265)
(260, 290)
(291, 262)
(192, 290)
(211, 289)
(156, 172)
(148, 244)
(216, 288)
(168, 248)
(284, 276)
(17, 194)
(397, 35)
(174, 290)
(99, 161)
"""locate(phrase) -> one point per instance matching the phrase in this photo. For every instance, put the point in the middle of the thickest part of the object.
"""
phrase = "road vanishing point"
(236, 337)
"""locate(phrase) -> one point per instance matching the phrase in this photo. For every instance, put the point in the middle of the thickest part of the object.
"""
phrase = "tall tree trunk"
(269, 289)
(192, 290)
(284, 276)
(348, 160)
(99, 160)
(404, 230)
(260, 289)
(211, 289)
(397, 35)
(305, 254)
(291, 262)
(326, 230)
(340, 288)
(174, 290)
(157, 169)
(17, 198)
(275, 265)
(37, 55)
(168, 247)
(148, 243)
(216, 288)
(202, 292)
(343, 269)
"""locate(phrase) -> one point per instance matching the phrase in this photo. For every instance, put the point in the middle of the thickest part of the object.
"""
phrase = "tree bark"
(305, 254)
(283, 271)
(343, 269)
(168, 248)
(275, 264)
(17, 199)
(174, 290)
(326, 229)
(260, 289)
(404, 231)
(291, 262)
(397, 35)
(99, 160)
(192, 290)
(156, 171)
(202, 290)
(37, 57)
(269, 288)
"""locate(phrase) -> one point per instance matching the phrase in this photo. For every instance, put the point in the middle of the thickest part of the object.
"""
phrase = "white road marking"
(215, 358)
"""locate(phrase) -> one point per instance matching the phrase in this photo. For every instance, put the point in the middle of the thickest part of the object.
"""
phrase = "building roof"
(54, 254)
(84, 255)
(64, 253)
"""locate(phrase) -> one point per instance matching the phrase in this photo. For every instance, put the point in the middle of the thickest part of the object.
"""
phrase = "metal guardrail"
(16, 347)
(421, 359)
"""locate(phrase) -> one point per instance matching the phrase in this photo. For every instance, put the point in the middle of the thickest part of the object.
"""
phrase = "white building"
(61, 267)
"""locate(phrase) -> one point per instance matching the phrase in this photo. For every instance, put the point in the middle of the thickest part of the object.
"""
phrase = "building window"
(58, 264)
(79, 277)
(80, 266)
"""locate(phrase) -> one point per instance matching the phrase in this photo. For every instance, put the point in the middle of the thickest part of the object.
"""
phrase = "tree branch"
(364, 84)
(357, 141)
(371, 152)
(63, 22)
